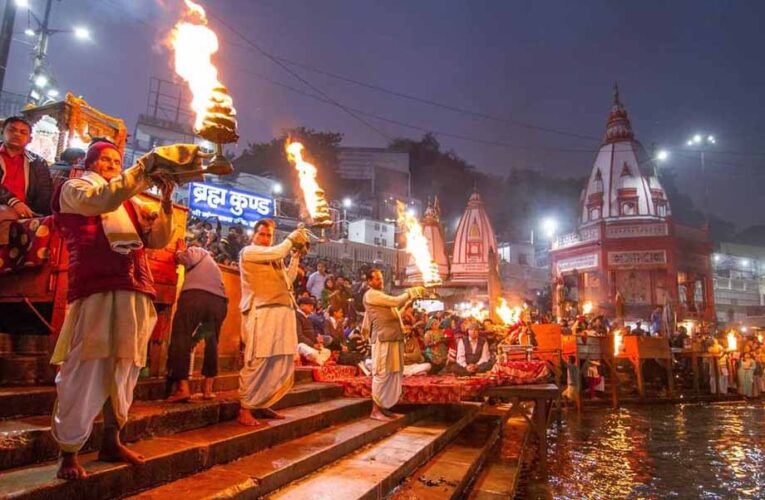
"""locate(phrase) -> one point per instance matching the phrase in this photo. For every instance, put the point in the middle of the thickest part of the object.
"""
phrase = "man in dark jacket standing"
(25, 184)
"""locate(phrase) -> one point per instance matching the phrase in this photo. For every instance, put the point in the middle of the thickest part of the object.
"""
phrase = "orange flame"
(732, 341)
(194, 45)
(587, 307)
(617, 341)
(509, 316)
(313, 195)
(417, 246)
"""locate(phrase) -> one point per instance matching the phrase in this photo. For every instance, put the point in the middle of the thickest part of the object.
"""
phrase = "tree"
(269, 159)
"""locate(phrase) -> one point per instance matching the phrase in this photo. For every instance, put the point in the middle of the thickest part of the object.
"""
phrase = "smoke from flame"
(417, 246)
(194, 45)
(307, 175)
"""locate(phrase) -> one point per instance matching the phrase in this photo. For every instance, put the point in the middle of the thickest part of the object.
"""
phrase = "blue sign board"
(230, 206)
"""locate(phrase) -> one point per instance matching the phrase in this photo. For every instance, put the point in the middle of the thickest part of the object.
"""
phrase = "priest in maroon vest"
(110, 314)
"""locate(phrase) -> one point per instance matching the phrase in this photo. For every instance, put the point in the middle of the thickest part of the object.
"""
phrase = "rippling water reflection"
(682, 451)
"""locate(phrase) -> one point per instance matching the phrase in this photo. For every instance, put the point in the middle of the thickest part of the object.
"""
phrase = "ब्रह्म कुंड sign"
(230, 206)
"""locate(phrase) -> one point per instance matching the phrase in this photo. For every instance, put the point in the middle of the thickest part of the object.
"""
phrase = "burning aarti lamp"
(180, 162)
(219, 127)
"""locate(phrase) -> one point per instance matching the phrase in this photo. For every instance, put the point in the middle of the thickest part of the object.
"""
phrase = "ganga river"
(669, 451)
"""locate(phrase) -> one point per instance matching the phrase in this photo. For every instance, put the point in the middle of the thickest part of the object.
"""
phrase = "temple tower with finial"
(627, 242)
(473, 241)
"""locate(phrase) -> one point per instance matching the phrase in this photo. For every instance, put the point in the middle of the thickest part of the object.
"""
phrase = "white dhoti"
(270, 340)
(723, 377)
(416, 369)
(101, 349)
(387, 373)
(318, 356)
(264, 381)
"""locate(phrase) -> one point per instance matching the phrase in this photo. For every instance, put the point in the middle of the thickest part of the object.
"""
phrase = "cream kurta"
(269, 333)
(387, 357)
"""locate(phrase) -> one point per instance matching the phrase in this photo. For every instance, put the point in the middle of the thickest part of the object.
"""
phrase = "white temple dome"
(618, 187)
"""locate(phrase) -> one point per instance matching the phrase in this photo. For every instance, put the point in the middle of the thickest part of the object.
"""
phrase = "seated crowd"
(330, 331)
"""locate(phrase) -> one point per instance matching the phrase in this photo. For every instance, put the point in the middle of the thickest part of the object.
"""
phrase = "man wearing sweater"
(201, 308)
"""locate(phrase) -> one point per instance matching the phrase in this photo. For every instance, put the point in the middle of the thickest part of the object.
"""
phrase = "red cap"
(95, 149)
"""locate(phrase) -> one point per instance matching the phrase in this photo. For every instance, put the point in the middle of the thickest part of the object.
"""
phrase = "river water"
(667, 451)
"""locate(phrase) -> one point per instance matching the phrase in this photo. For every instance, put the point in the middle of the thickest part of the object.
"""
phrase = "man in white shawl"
(269, 331)
(110, 315)
(383, 321)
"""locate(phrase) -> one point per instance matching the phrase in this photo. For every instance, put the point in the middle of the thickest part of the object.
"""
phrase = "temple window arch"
(629, 208)
(597, 182)
(595, 213)
(626, 170)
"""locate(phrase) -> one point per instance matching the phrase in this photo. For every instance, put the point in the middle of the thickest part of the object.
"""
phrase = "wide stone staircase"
(326, 447)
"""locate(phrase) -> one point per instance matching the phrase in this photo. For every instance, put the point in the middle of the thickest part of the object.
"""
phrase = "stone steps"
(499, 477)
(450, 472)
(179, 455)
(38, 400)
(375, 470)
(28, 440)
(265, 471)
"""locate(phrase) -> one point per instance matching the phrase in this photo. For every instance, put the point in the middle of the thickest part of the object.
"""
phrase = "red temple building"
(627, 242)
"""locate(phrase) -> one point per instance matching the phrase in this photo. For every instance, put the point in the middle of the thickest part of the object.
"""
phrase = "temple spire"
(618, 127)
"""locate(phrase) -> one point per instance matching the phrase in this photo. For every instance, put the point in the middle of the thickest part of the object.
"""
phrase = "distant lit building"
(739, 281)
(372, 232)
(379, 178)
(523, 276)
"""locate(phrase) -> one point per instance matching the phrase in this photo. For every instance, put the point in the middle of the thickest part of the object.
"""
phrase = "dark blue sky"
(683, 67)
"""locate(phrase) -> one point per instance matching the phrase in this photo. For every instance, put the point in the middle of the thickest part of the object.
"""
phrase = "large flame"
(194, 45)
(587, 307)
(617, 341)
(508, 315)
(732, 341)
(417, 246)
(313, 195)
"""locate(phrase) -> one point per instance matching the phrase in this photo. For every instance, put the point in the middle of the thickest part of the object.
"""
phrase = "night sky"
(683, 67)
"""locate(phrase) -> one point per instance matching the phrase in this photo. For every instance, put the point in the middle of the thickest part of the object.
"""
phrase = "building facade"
(372, 232)
(739, 281)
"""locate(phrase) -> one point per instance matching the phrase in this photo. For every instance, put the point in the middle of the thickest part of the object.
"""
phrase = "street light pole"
(702, 142)
(6, 35)
(41, 51)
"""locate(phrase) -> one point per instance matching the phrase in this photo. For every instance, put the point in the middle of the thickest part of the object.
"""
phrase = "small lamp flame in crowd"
(313, 196)
(508, 315)
(617, 341)
(587, 307)
(417, 247)
(194, 44)
(732, 341)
